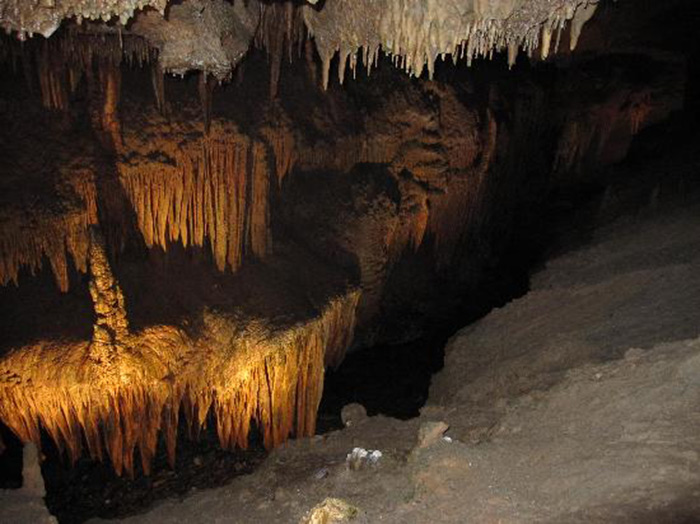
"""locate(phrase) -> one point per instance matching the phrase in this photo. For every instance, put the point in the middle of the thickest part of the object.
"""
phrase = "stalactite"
(258, 237)
(346, 151)
(280, 138)
(26, 240)
(63, 60)
(461, 207)
(45, 17)
(579, 19)
(409, 230)
(111, 81)
(52, 80)
(640, 110)
(416, 33)
(603, 133)
(158, 87)
(215, 190)
(83, 49)
(206, 91)
(311, 61)
(244, 372)
(280, 32)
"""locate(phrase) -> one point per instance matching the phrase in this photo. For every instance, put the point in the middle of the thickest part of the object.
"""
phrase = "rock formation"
(215, 189)
(417, 33)
(122, 389)
(213, 35)
(50, 222)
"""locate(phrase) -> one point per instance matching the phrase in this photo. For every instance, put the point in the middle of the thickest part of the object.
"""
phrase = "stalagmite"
(111, 327)
(215, 189)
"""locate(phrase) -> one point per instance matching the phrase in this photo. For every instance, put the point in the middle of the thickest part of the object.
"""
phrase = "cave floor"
(578, 402)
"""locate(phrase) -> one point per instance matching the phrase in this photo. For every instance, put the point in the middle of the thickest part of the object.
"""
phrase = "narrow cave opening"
(221, 225)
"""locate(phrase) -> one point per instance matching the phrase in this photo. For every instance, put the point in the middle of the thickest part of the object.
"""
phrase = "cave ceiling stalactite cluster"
(213, 35)
(348, 186)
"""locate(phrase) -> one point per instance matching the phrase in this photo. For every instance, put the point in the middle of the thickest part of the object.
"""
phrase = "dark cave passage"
(394, 379)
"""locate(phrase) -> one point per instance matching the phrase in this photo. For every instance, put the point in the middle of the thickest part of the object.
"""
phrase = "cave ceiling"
(214, 35)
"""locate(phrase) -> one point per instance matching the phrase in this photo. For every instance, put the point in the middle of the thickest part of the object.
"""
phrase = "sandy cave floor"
(577, 403)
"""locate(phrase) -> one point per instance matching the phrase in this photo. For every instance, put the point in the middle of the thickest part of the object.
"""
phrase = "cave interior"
(223, 221)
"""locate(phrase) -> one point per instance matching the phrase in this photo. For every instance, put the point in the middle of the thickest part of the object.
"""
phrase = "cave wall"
(423, 190)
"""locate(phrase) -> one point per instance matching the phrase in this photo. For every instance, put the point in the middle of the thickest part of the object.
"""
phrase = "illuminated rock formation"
(26, 243)
(51, 222)
(214, 189)
(417, 33)
(111, 328)
(213, 35)
(394, 182)
(122, 389)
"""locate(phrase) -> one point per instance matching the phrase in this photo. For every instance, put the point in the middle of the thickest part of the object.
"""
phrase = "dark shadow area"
(89, 489)
(10, 460)
(36, 309)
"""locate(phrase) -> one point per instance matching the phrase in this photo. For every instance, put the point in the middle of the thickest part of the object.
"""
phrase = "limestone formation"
(32, 481)
(205, 35)
(213, 35)
(111, 327)
(215, 190)
(417, 33)
(353, 414)
(44, 16)
(429, 433)
(385, 184)
(122, 389)
(27, 237)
